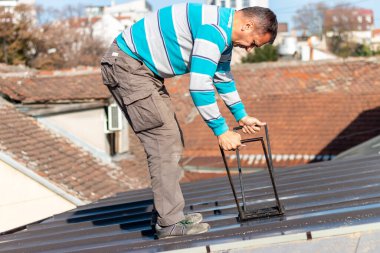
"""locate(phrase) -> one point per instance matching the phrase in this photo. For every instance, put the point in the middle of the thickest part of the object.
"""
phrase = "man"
(173, 41)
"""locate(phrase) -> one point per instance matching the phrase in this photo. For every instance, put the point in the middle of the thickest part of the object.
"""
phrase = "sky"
(283, 9)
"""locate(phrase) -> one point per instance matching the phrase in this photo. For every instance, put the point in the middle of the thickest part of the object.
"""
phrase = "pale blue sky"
(284, 9)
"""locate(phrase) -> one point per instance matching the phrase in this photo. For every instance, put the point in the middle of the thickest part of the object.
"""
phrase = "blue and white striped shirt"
(193, 38)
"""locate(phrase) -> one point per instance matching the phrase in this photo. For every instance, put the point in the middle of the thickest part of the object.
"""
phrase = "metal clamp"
(244, 212)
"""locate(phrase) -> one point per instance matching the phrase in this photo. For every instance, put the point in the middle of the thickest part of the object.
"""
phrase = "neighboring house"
(43, 173)
(9, 5)
(310, 52)
(135, 9)
(105, 27)
(329, 207)
(375, 41)
(127, 13)
(106, 22)
(282, 32)
(239, 4)
(75, 105)
(355, 23)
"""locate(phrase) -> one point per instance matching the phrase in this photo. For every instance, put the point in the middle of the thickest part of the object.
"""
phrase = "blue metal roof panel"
(316, 196)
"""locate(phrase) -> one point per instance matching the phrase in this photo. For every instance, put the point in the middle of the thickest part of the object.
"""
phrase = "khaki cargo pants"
(146, 104)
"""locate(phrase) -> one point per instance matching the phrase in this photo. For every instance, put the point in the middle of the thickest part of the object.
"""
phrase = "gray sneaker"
(194, 218)
(183, 227)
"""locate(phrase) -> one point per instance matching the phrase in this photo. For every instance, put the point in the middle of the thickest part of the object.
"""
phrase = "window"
(233, 3)
(335, 19)
(246, 3)
(369, 19)
(359, 27)
(360, 19)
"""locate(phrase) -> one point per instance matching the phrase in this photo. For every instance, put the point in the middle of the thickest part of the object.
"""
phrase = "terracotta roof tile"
(58, 88)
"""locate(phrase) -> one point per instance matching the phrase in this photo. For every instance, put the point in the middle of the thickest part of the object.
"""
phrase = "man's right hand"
(229, 140)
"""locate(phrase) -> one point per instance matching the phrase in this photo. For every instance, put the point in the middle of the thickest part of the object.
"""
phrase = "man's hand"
(229, 140)
(251, 125)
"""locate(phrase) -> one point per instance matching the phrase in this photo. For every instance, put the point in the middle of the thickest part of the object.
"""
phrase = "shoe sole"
(173, 236)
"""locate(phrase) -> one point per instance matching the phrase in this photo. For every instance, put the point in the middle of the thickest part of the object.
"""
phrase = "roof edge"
(29, 173)
(267, 241)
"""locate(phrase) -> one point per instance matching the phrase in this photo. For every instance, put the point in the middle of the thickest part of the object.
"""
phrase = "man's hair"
(267, 20)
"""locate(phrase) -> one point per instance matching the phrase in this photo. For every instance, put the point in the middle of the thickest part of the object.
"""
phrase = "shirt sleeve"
(225, 85)
(209, 43)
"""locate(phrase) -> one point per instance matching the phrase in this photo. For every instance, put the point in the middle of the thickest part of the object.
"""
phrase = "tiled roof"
(344, 76)
(302, 127)
(54, 89)
(266, 89)
(348, 76)
(314, 110)
(338, 195)
(63, 163)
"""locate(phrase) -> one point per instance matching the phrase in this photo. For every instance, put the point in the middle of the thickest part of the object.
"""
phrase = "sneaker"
(194, 218)
(181, 228)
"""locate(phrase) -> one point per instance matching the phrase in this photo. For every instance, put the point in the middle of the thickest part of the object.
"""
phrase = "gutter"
(37, 178)
(256, 244)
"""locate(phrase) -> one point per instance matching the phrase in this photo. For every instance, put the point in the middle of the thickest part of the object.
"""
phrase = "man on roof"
(175, 40)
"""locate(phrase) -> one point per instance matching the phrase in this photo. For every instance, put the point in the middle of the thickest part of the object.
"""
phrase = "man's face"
(249, 38)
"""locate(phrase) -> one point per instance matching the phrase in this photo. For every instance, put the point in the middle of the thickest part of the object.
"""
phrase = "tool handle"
(237, 128)
(241, 127)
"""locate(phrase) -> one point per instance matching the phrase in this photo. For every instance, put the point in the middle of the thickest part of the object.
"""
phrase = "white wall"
(23, 200)
(318, 55)
(107, 28)
(240, 3)
(88, 130)
(86, 126)
(134, 9)
(362, 36)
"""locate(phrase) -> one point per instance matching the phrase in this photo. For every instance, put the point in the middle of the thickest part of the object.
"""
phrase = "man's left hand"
(251, 125)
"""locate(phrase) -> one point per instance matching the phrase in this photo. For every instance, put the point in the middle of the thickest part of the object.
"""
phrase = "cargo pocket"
(143, 111)
(107, 67)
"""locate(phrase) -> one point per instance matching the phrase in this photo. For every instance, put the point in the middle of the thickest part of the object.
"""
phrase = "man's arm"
(225, 85)
(209, 44)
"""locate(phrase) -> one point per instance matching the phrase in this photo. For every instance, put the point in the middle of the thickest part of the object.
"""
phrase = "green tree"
(262, 54)
(363, 50)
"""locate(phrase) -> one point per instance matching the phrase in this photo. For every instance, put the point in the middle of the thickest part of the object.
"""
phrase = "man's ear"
(249, 25)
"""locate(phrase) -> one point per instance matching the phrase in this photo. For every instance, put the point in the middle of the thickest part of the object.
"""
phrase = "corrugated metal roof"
(316, 196)
(370, 147)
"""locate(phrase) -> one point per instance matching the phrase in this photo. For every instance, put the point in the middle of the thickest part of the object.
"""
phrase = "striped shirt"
(193, 38)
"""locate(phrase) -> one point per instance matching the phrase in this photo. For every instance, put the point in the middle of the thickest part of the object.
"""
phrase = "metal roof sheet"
(316, 196)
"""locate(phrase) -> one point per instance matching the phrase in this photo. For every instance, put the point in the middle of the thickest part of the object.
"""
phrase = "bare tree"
(58, 43)
(309, 18)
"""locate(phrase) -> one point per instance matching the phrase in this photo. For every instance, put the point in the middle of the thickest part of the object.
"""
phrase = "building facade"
(354, 23)
(239, 4)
